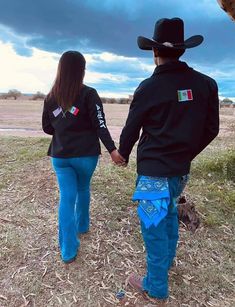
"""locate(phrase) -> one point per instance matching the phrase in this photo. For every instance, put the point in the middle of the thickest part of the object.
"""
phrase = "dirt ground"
(23, 118)
(31, 271)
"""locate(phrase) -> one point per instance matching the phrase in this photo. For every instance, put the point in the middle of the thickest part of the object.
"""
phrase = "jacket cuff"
(126, 157)
(111, 148)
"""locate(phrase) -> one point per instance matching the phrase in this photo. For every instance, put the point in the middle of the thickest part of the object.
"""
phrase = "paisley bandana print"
(153, 196)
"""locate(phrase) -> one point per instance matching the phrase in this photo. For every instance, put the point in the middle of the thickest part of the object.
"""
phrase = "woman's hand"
(117, 158)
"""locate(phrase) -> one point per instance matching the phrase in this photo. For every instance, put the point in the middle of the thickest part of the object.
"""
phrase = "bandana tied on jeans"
(154, 197)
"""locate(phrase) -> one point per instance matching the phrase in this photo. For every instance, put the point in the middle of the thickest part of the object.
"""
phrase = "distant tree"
(13, 93)
(115, 100)
(108, 100)
(112, 100)
(104, 100)
(123, 100)
(227, 101)
(38, 95)
(3, 96)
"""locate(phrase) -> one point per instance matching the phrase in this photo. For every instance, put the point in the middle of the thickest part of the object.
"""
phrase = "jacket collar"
(170, 66)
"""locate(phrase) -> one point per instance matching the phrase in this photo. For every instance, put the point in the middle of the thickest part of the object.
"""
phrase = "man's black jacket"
(174, 130)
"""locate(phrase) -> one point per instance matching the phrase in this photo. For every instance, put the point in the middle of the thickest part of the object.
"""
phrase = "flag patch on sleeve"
(57, 111)
(74, 111)
(185, 95)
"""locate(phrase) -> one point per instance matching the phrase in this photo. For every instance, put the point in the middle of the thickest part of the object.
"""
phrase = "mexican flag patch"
(185, 95)
(74, 111)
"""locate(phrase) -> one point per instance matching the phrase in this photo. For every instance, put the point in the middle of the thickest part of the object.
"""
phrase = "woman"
(73, 115)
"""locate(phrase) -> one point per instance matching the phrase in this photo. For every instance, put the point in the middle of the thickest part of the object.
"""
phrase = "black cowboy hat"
(169, 33)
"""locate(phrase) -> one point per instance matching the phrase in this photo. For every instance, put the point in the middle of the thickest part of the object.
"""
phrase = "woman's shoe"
(81, 233)
(70, 260)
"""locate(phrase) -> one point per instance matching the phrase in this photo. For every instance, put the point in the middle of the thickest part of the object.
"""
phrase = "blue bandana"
(153, 196)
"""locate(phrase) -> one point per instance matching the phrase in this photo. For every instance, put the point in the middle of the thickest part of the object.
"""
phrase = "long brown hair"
(69, 79)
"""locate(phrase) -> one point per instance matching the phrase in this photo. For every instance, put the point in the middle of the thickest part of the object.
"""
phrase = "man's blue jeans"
(73, 176)
(161, 243)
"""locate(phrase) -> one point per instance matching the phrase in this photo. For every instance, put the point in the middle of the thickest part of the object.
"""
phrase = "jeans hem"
(82, 231)
(160, 297)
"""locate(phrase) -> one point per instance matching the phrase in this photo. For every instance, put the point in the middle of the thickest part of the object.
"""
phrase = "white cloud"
(110, 57)
(37, 72)
(110, 94)
(27, 74)
(95, 77)
(225, 69)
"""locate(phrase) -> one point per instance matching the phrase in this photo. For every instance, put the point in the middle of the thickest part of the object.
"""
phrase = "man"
(177, 109)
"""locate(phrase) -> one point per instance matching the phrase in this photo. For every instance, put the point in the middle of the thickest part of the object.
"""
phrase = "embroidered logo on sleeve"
(74, 111)
(100, 117)
(57, 111)
(185, 95)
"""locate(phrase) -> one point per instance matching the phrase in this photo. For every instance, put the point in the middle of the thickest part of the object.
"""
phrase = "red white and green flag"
(74, 111)
(185, 95)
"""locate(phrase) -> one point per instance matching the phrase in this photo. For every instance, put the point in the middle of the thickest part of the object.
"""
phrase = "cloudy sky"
(33, 35)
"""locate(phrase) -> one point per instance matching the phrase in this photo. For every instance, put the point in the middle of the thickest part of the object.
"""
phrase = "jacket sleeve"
(46, 123)
(131, 131)
(212, 121)
(97, 116)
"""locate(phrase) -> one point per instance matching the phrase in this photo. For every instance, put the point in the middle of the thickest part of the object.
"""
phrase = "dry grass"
(31, 272)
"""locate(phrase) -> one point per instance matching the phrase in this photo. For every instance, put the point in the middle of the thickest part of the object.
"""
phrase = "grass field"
(31, 272)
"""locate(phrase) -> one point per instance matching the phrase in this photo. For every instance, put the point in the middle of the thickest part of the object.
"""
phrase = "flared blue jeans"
(73, 176)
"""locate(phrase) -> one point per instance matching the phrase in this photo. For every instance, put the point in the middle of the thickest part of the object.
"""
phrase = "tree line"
(15, 94)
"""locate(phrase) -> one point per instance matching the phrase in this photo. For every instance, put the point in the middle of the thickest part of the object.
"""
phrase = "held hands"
(117, 158)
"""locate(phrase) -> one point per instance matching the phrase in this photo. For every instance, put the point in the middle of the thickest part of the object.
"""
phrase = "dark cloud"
(114, 25)
(95, 26)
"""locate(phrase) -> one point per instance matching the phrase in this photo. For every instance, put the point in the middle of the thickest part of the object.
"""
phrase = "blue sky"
(33, 35)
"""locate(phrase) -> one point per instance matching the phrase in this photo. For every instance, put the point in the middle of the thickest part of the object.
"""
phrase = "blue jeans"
(73, 176)
(161, 243)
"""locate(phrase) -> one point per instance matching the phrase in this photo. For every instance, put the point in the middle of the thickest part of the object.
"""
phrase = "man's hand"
(117, 158)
